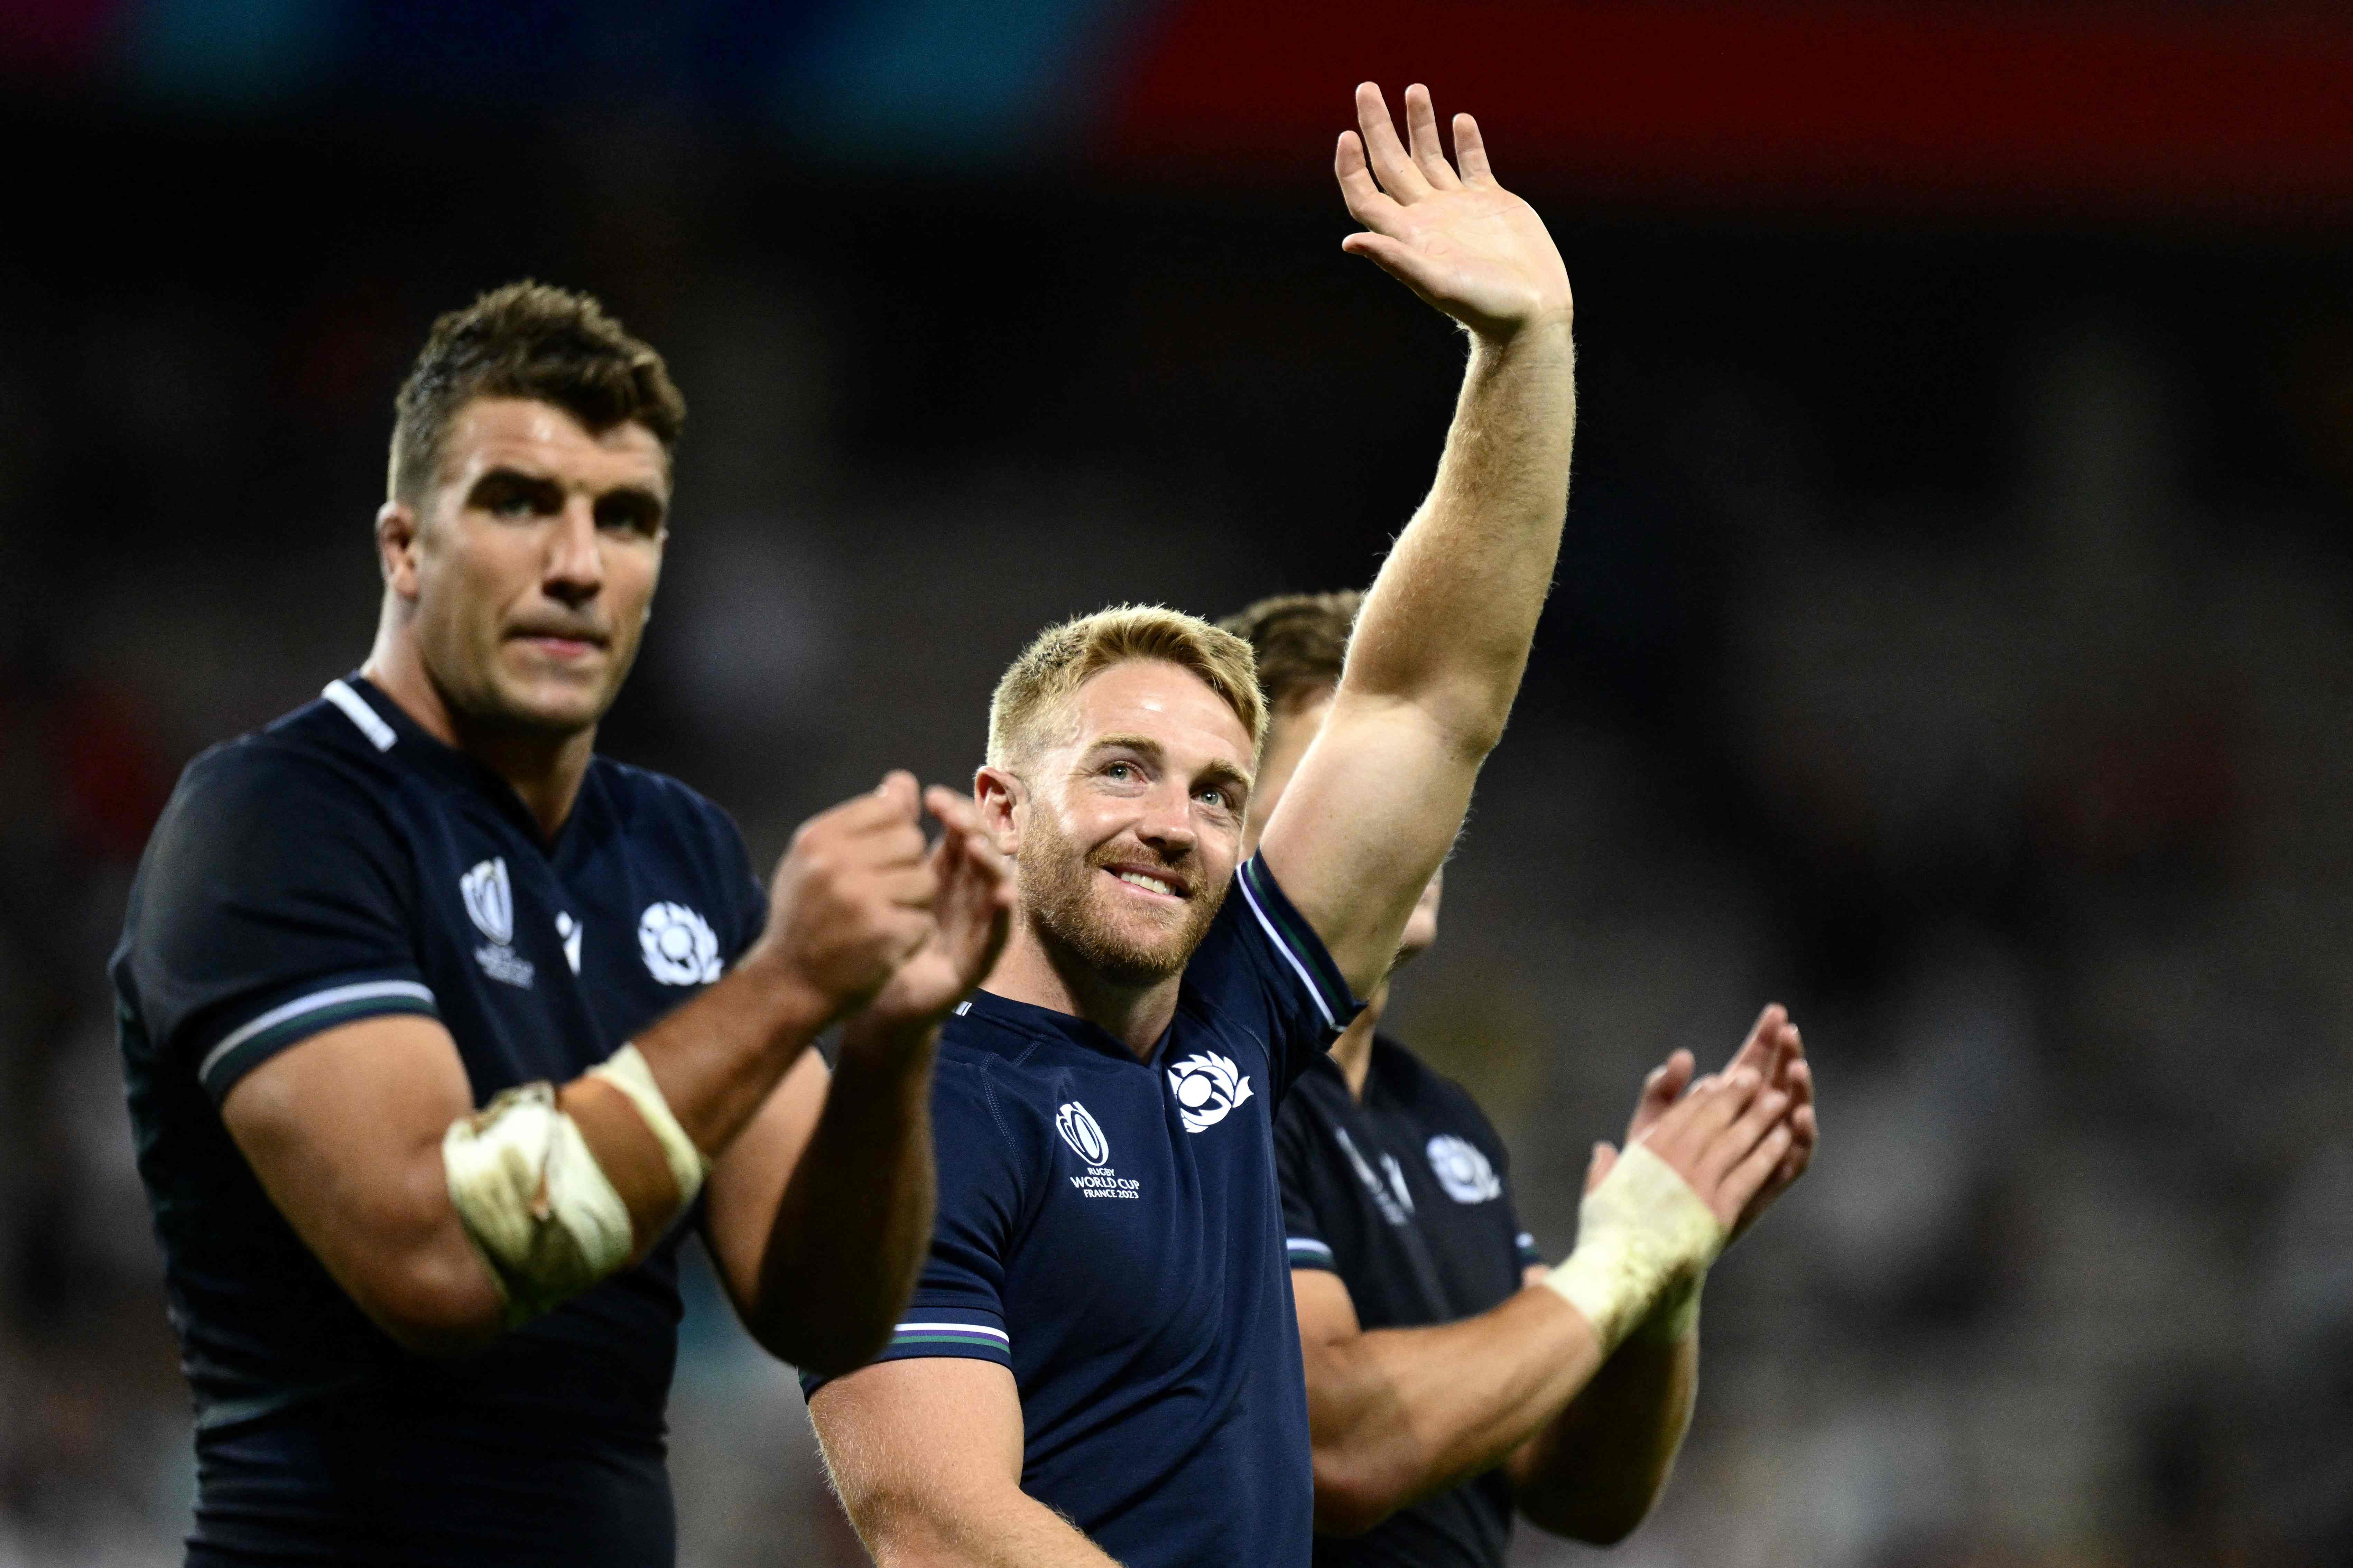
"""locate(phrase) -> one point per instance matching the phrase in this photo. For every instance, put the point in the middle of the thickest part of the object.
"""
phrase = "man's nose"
(1167, 823)
(574, 572)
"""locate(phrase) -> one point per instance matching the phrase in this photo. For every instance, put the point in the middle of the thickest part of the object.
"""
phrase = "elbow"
(1595, 1521)
(1352, 1495)
(439, 1313)
(824, 1345)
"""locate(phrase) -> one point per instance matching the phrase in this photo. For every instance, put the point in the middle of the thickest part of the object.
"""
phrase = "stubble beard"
(1059, 899)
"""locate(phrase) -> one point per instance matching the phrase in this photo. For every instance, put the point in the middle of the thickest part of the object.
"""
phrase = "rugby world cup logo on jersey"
(1085, 1136)
(1463, 1170)
(680, 947)
(488, 897)
(1206, 1085)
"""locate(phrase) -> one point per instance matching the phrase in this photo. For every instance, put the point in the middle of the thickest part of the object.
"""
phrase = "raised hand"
(971, 908)
(852, 897)
(1453, 236)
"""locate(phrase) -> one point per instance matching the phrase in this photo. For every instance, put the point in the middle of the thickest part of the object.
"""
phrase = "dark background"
(1952, 638)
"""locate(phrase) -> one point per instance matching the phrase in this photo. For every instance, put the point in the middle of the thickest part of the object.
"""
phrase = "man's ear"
(395, 547)
(1001, 796)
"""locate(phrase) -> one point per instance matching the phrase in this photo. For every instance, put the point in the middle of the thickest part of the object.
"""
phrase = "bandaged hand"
(1662, 1211)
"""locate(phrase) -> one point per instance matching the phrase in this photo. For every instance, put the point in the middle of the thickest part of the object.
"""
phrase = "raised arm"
(926, 1455)
(1444, 633)
(833, 1181)
(350, 1130)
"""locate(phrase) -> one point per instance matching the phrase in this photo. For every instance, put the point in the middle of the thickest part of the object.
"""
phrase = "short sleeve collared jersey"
(1109, 1228)
(343, 864)
(1405, 1194)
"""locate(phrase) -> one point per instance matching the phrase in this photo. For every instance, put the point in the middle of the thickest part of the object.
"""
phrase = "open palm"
(1454, 237)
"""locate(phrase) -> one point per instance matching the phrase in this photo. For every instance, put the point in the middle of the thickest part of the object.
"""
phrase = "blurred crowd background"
(1953, 639)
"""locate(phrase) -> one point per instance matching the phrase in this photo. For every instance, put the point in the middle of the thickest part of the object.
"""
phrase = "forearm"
(856, 1212)
(1595, 1471)
(1448, 623)
(1397, 1414)
(1004, 1528)
(717, 1057)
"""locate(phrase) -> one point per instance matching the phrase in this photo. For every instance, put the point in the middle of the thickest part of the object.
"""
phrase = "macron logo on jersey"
(489, 904)
(1207, 1085)
(1085, 1136)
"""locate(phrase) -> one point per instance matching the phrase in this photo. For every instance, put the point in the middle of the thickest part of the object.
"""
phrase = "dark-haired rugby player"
(1100, 1363)
(1446, 1389)
(442, 1031)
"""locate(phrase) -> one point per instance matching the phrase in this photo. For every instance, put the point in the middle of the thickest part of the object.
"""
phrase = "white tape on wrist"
(625, 1070)
(1640, 1235)
(533, 1200)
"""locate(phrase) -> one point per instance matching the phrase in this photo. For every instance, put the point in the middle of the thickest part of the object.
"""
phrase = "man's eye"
(1215, 796)
(1119, 769)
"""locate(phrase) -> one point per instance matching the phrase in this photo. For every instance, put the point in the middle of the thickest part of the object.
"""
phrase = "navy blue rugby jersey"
(343, 864)
(1405, 1194)
(1111, 1229)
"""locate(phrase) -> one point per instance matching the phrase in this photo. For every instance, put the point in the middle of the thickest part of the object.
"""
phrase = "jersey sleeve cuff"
(965, 1333)
(313, 1009)
(1306, 1252)
(1295, 940)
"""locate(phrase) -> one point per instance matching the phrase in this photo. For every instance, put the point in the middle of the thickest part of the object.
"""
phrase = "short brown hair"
(1301, 641)
(1065, 657)
(527, 340)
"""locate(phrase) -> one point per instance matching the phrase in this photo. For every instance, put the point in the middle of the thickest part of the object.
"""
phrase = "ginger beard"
(1066, 898)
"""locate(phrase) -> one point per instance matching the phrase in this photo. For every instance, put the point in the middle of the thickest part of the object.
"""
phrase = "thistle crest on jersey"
(680, 947)
(1463, 1170)
(1206, 1085)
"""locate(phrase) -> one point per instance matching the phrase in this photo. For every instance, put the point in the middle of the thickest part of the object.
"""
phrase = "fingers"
(1391, 164)
(1598, 1167)
(1363, 198)
(1746, 1179)
(1761, 1051)
(1733, 1145)
(1421, 130)
(1660, 1089)
(1471, 150)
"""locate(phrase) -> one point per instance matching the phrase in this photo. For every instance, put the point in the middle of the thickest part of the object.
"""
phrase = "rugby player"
(442, 1032)
(1100, 1363)
(1446, 1387)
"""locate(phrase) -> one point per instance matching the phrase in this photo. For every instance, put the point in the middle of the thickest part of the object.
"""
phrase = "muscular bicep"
(1366, 820)
(923, 1452)
(344, 1130)
(747, 1183)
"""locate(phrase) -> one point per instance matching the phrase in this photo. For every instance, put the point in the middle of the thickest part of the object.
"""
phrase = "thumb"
(898, 788)
(1604, 1157)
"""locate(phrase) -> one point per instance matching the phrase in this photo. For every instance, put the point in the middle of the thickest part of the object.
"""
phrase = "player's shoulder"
(297, 777)
(642, 797)
(1430, 1096)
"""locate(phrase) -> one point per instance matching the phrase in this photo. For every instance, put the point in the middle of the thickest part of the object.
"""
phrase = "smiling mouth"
(1160, 887)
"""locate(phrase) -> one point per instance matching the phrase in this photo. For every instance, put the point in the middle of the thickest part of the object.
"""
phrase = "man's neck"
(1351, 1053)
(1050, 976)
(545, 772)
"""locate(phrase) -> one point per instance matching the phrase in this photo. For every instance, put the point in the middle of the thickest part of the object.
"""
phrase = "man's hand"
(1775, 1051)
(1458, 239)
(972, 906)
(852, 897)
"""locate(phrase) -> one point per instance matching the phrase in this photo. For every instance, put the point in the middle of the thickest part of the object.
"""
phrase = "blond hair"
(1065, 657)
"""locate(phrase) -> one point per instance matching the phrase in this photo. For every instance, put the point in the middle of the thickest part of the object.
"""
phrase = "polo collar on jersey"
(1046, 1023)
(398, 735)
